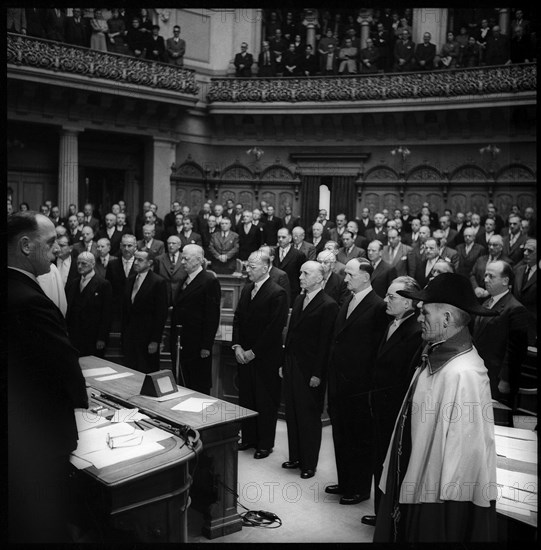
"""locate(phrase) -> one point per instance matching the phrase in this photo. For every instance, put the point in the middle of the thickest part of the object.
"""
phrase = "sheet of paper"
(114, 376)
(155, 434)
(516, 433)
(80, 463)
(95, 439)
(125, 415)
(181, 392)
(194, 404)
(86, 419)
(526, 482)
(511, 507)
(519, 498)
(106, 457)
(97, 371)
(516, 449)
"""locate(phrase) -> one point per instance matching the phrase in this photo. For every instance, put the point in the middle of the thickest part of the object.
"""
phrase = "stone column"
(365, 32)
(504, 20)
(311, 35)
(432, 20)
(68, 168)
(163, 154)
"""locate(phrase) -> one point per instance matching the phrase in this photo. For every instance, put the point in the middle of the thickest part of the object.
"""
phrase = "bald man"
(89, 312)
(304, 372)
(196, 308)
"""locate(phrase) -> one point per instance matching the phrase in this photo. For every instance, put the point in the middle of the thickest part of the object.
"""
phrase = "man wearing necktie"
(502, 341)
(440, 467)
(89, 315)
(358, 329)
(196, 308)
(266, 61)
(104, 258)
(144, 315)
(176, 48)
(224, 248)
(169, 266)
(392, 373)
(304, 371)
(258, 324)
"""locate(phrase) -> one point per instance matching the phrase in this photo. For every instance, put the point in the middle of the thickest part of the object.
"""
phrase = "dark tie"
(173, 259)
(525, 278)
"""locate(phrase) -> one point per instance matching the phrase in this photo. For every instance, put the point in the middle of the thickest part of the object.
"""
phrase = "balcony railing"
(65, 58)
(475, 81)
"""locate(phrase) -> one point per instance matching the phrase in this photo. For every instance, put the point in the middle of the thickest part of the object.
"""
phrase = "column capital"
(69, 129)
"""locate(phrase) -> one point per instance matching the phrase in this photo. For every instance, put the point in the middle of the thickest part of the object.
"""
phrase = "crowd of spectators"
(388, 48)
(284, 50)
(117, 30)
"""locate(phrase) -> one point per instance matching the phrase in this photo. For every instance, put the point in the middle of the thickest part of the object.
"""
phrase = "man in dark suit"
(525, 287)
(357, 332)
(169, 218)
(477, 275)
(224, 248)
(425, 53)
(76, 30)
(117, 274)
(103, 257)
(148, 242)
(468, 253)
(304, 372)
(393, 368)
(365, 222)
(319, 237)
(271, 227)
(266, 61)
(502, 341)
(349, 250)
(335, 233)
(87, 243)
(424, 267)
(258, 324)
(306, 248)
(89, 299)
(448, 233)
(485, 233)
(333, 284)
(396, 253)
(54, 24)
(513, 244)
(169, 266)
(243, 62)
(249, 236)
(156, 46)
(110, 232)
(189, 236)
(378, 231)
(90, 219)
(276, 274)
(35, 22)
(196, 308)
(289, 221)
(208, 228)
(74, 233)
(44, 385)
(308, 62)
(383, 273)
(66, 260)
(144, 315)
(289, 259)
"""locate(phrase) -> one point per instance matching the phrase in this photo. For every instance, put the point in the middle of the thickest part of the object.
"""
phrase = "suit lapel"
(530, 281)
(194, 285)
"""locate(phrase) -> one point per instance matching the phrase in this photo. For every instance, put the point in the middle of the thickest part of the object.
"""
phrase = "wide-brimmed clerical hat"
(450, 288)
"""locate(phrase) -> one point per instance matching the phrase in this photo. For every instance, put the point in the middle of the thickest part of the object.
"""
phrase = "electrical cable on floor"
(255, 518)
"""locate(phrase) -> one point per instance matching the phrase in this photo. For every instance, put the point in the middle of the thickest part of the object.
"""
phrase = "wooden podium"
(213, 492)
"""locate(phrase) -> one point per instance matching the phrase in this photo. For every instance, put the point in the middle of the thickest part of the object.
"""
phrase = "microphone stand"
(178, 369)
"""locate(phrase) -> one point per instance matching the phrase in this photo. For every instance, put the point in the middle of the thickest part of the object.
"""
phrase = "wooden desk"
(517, 454)
(145, 498)
(218, 425)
